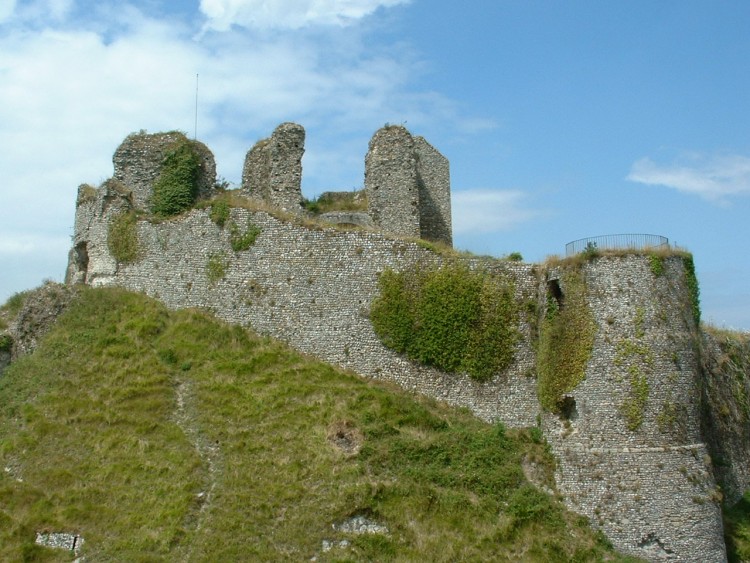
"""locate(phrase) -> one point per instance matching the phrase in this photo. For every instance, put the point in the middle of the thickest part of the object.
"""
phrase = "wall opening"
(568, 410)
(554, 289)
(82, 260)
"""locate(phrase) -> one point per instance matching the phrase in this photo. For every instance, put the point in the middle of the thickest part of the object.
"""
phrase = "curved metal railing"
(616, 242)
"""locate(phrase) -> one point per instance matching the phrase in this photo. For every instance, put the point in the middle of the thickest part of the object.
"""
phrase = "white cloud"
(288, 14)
(482, 211)
(73, 88)
(713, 178)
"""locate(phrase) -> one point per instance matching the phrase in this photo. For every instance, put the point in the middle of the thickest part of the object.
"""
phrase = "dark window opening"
(82, 260)
(568, 410)
(553, 287)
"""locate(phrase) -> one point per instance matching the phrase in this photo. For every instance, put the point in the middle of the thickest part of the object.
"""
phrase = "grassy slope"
(166, 436)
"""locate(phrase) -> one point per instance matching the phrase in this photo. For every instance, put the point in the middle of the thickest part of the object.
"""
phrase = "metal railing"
(616, 242)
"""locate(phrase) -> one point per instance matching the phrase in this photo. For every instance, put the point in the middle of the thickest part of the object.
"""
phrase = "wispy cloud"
(715, 178)
(481, 211)
(288, 14)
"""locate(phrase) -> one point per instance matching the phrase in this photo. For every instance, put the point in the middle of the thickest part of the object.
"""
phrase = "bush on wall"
(122, 238)
(176, 187)
(452, 318)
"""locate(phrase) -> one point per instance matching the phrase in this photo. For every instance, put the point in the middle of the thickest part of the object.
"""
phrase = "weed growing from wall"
(566, 340)
(452, 318)
(693, 289)
(219, 212)
(656, 262)
(176, 187)
(216, 267)
(243, 241)
(6, 343)
(122, 238)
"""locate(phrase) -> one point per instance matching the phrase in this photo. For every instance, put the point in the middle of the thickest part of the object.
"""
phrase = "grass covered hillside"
(170, 436)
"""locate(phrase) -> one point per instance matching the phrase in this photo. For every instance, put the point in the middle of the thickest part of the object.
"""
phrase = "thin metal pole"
(195, 134)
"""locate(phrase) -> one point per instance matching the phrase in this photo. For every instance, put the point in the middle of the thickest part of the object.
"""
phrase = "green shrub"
(216, 267)
(176, 188)
(657, 264)
(6, 342)
(515, 257)
(565, 343)
(243, 241)
(219, 212)
(122, 238)
(452, 318)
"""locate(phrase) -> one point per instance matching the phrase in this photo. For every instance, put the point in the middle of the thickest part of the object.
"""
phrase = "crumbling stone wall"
(391, 182)
(139, 159)
(311, 288)
(273, 168)
(650, 488)
(408, 186)
(726, 410)
(433, 177)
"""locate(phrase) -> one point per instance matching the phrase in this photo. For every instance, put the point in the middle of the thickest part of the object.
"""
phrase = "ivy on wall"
(452, 318)
(566, 341)
(176, 188)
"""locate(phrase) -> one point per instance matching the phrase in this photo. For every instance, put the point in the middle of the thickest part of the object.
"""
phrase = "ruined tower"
(273, 168)
(408, 186)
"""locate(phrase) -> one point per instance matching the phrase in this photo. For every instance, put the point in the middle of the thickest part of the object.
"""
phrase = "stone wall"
(310, 287)
(726, 407)
(650, 488)
(433, 180)
(391, 181)
(139, 158)
(273, 168)
(408, 186)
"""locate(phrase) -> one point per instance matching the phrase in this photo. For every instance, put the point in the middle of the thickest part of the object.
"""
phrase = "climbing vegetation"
(176, 188)
(240, 240)
(693, 288)
(122, 238)
(452, 318)
(566, 340)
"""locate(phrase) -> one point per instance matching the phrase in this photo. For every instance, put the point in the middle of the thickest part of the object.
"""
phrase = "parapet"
(139, 159)
(408, 185)
(273, 168)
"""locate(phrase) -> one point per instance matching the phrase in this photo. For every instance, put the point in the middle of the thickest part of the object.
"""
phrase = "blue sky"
(561, 120)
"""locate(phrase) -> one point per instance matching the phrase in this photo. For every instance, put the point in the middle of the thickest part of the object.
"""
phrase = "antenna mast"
(195, 134)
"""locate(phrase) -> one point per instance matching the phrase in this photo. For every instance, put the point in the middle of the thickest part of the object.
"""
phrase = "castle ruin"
(650, 488)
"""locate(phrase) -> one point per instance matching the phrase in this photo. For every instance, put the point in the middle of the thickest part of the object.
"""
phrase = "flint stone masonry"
(433, 179)
(138, 161)
(273, 168)
(392, 183)
(408, 186)
(726, 424)
(312, 289)
(651, 490)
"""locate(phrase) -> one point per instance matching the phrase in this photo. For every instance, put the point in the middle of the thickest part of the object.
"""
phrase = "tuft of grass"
(355, 200)
(122, 238)
(216, 267)
(243, 240)
(169, 436)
